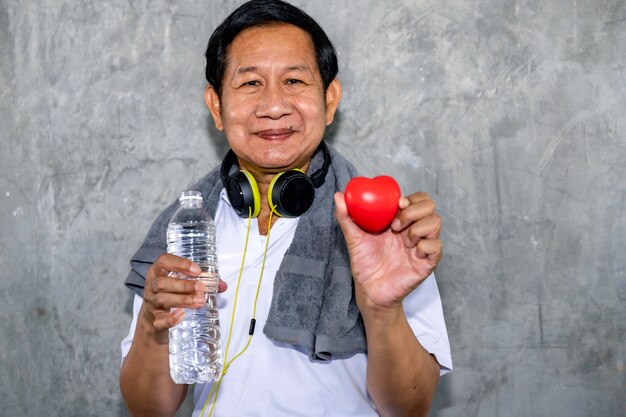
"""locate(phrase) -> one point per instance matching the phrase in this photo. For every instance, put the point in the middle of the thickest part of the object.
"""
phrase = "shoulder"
(342, 169)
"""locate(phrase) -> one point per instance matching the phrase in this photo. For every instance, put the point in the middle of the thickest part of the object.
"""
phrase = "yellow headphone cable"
(216, 385)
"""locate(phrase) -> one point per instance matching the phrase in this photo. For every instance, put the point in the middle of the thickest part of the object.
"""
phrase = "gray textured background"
(510, 113)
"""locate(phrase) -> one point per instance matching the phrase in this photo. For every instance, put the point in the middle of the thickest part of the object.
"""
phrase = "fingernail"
(194, 268)
(198, 299)
(395, 225)
(200, 288)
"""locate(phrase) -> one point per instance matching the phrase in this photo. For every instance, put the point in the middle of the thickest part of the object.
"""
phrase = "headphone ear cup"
(243, 194)
(291, 193)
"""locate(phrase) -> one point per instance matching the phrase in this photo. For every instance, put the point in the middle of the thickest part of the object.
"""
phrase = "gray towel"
(313, 305)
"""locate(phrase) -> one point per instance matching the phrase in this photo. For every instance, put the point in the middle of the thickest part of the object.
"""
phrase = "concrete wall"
(510, 113)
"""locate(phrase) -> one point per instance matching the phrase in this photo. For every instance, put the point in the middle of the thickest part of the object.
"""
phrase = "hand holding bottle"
(163, 292)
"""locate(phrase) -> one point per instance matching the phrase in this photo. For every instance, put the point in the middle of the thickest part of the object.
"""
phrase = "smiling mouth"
(275, 134)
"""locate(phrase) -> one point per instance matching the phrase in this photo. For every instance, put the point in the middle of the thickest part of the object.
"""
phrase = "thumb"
(348, 227)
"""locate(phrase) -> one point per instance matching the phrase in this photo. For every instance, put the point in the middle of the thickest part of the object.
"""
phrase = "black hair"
(266, 12)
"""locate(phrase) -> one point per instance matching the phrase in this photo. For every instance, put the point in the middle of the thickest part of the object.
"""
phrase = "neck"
(264, 216)
(263, 180)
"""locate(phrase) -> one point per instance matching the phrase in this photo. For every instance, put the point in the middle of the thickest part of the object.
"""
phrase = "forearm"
(145, 380)
(401, 375)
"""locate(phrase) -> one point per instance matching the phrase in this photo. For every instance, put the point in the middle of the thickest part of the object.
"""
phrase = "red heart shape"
(372, 202)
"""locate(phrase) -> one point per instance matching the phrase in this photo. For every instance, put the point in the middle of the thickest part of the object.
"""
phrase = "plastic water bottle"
(195, 354)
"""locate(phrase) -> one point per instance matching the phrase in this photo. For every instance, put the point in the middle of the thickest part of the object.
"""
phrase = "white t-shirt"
(272, 379)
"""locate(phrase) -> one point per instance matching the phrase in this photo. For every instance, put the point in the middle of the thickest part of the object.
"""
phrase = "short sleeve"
(425, 316)
(128, 340)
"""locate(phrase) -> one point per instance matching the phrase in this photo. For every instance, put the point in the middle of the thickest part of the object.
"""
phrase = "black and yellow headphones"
(291, 193)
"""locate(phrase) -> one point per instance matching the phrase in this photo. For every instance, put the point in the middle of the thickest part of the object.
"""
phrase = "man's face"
(273, 108)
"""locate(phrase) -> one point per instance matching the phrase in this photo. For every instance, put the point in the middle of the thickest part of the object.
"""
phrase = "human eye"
(294, 81)
(250, 83)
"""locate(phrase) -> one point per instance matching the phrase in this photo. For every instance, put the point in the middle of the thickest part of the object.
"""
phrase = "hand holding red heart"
(387, 262)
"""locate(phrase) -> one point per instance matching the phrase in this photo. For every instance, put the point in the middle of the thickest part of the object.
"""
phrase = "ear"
(333, 96)
(214, 105)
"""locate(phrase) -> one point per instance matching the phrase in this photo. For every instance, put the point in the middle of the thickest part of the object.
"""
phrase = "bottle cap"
(190, 195)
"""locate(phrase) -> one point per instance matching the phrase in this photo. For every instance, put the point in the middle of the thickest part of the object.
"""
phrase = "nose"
(273, 102)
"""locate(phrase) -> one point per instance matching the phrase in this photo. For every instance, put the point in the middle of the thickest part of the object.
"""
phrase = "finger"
(164, 320)
(414, 211)
(419, 196)
(170, 284)
(167, 263)
(431, 249)
(426, 228)
(165, 292)
(348, 227)
(164, 298)
(166, 301)
(406, 201)
(342, 209)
